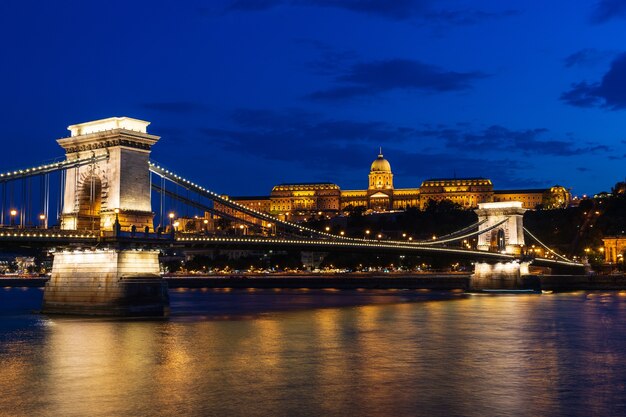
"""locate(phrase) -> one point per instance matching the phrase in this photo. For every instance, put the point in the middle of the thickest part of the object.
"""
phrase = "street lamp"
(42, 220)
(117, 226)
(171, 216)
(327, 228)
(13, 213)
(367, 233)
(342, 233)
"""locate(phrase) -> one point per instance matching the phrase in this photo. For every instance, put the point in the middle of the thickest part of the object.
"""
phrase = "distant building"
(305, 198)
(466, 192)
(298, 201)
(614, 249)
(530, 198)
(620, 188)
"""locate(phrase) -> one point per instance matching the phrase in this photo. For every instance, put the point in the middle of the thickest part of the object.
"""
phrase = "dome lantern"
(380, 164)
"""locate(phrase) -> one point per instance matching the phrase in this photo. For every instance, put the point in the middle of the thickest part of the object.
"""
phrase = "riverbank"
(9, 282)
(439, 282)
(443, 282)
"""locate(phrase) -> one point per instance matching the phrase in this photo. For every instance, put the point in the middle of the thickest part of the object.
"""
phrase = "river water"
(297, 353)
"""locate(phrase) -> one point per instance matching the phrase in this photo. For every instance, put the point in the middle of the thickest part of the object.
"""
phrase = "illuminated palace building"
(297, 201)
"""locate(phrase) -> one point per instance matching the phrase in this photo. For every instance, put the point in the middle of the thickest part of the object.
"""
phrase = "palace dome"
(380, 164)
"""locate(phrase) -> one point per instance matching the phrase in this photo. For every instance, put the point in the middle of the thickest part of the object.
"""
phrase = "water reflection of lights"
(530, 353)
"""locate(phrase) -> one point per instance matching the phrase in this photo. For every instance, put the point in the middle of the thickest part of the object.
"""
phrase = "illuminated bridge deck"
(65, 238)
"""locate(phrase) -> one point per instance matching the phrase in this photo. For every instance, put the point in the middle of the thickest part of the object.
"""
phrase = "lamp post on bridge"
(13, 213)
(42, 221)
(171, 217)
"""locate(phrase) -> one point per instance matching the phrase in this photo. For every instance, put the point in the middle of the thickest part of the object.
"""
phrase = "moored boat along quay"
(440, 282)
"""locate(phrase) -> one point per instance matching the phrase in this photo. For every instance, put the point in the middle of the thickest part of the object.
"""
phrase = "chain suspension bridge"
(104, 212)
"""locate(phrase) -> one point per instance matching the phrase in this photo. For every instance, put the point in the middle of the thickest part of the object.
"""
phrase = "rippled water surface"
(295, 353)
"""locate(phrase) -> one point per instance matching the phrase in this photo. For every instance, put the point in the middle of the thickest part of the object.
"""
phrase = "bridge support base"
(500, 276)
(108, 282)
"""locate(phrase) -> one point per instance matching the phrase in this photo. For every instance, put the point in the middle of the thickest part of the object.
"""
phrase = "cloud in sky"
(609, 92)
(330, 60)
(322, 146)
(295, 134)
(338, 151)
(390, 9)
(587, 57)
(606, 10)
(370, 78)
(497, 138)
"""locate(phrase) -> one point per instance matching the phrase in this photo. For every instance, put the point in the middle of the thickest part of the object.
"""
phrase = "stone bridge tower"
(110, 278)
(120, 183)
(509, 236)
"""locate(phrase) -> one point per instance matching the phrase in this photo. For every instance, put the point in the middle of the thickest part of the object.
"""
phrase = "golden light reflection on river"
(469, 356)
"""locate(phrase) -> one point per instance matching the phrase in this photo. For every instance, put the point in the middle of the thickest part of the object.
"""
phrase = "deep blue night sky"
(250, 93)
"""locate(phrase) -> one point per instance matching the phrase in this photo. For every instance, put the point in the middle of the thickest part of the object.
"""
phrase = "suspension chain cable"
(545, 246)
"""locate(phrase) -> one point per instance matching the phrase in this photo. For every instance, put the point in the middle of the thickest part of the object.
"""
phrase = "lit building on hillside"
(466, 192)
(286, 199)
(260, 203)
(548, 198)
(530, 198)
(299, 201)
(380, 189)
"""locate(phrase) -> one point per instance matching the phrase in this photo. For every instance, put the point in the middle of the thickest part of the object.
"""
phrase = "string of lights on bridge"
(46, 168)
(28, 235)
(327, 243)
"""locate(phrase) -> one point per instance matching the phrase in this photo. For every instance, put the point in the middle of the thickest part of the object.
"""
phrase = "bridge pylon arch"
(123, 178)
(511, 212)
